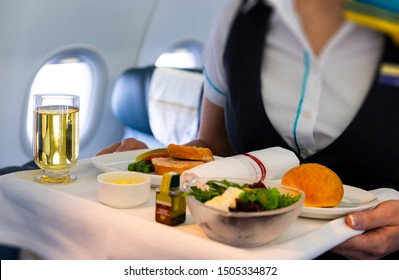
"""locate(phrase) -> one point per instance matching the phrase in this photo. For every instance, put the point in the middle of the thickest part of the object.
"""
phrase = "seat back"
(159, 105)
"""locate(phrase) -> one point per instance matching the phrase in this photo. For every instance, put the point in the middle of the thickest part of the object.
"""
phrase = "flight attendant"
(299, 75)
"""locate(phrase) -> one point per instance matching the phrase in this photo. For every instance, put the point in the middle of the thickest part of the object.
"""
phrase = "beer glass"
(56, 136)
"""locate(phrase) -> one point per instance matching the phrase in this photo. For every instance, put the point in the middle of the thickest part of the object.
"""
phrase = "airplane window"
(67, 74)
(182, 55)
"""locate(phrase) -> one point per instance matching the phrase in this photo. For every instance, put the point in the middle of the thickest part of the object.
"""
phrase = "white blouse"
(309, 99)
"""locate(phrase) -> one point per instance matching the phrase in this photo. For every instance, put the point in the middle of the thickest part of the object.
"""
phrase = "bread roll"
(321, 185)
(163, 165)
(190, 152)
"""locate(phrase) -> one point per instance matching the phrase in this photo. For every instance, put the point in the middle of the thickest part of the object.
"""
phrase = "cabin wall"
(118, 34)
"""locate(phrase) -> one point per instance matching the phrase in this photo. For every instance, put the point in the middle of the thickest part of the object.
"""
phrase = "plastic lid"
(174, 180)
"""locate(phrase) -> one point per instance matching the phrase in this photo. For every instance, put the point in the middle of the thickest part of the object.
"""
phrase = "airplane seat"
(11, 252)
(159, 105)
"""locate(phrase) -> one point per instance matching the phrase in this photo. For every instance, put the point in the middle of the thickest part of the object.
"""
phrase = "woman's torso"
(353, 148)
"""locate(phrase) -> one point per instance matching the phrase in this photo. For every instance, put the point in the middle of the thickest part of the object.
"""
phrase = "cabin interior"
(93, 48)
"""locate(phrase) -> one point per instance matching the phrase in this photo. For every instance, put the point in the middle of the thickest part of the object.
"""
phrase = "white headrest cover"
(174, 98)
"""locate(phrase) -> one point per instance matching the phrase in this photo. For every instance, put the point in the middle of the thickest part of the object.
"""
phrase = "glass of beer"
(56, 136)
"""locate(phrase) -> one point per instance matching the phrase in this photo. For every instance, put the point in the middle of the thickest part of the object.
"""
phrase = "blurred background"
(82, 47)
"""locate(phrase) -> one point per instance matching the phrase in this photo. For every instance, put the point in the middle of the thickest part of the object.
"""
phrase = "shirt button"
(307, 115)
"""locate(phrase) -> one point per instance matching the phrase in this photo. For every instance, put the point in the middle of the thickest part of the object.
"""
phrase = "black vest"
(365, 155)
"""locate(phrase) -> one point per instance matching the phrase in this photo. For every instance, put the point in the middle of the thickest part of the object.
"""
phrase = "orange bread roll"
(190, 152)
(321, 185)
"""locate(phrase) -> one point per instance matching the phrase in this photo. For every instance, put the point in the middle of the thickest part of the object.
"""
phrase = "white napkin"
(314, 243)
(267, 164)
(173, 105)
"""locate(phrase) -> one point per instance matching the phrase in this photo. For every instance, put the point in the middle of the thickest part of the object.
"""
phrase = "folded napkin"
(173, 105)
(266, 164)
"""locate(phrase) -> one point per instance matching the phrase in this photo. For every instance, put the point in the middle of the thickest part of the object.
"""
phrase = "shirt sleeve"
(215, 86)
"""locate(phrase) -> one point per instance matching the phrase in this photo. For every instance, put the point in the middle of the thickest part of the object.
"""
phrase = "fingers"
(109, 149)
(373, 244)
(129, 144)
(383, 215)
(381, 236)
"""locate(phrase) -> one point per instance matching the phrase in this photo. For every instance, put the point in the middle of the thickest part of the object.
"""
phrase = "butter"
(127, 182)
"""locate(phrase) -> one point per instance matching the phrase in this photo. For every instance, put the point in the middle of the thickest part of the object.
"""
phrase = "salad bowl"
(239, 228)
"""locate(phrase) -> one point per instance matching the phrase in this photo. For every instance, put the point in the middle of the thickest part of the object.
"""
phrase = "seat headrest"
(174, 105)
(130, 98)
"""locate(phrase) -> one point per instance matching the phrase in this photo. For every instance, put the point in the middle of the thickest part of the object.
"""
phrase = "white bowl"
(123, 189)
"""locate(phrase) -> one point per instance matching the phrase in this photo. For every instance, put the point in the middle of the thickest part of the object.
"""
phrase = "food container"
(123, 189)
(242, 229)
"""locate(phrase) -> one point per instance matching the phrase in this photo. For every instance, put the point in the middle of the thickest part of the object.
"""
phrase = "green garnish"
(256, 197)
(215, 188)
(267, 198)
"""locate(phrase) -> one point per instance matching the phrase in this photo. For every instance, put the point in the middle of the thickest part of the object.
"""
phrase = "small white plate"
(354, 200)
(120, 161)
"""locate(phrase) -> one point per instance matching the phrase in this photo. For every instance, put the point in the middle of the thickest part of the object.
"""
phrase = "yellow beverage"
(56, 139)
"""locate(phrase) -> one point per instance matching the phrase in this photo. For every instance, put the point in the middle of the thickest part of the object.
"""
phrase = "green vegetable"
(141, 166)
(287, 200)
(267, 198)
(148, 168)
(203, 195)
(215, 188)
(131, 167)
(254, 197)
